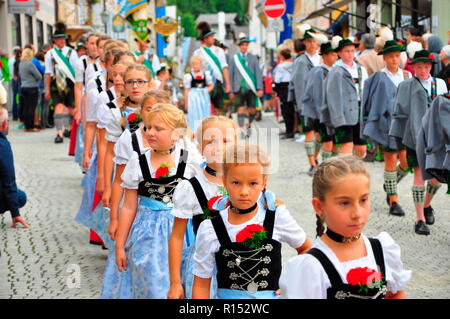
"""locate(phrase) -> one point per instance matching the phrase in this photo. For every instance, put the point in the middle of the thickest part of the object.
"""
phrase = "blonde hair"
(197, 58)
(169, 113)
(245, 153)
(328, 172)
(27, 55)
(161, 96)
(208, 120)
(141, 68)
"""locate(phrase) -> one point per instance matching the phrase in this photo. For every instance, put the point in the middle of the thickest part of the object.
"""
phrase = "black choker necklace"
(131, 101)
(166, 152)
(243, 211)
(341, 239)
(210, 171)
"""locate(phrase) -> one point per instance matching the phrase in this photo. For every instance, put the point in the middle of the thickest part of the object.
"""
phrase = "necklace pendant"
(252, 287)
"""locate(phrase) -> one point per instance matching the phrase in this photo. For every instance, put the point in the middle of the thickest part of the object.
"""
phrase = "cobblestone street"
(43, 261)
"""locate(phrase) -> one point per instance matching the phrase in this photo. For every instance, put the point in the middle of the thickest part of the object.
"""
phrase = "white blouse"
(285, 230)
(104, 114)
(123, 149)
(93, 99)
(114, 128)
(132, 175)
(185, 201)
(303, 277)
(188, 79)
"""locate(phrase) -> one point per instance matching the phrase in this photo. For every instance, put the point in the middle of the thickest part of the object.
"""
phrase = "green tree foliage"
(189, 10)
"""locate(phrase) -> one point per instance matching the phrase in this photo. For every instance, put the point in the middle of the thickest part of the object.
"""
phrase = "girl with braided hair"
(343, 262)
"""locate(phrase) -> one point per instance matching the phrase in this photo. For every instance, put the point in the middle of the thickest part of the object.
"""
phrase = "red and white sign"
(274, 8)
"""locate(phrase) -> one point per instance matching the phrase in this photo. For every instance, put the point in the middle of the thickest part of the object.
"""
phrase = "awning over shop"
(326, 9)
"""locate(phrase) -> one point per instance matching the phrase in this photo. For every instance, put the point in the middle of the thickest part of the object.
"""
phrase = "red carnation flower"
(211, 202)
(246, 235)
(132, 117)
(255, 228)
(400, 42)
(243, 235)
(163, 171)
(431, 57)
(363, 276)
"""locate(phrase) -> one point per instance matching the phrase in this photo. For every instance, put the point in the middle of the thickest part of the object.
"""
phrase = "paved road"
(53, 259)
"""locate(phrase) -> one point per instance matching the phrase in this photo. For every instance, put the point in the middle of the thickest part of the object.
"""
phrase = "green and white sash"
(213, 61)
(247, 75)
(63, 69)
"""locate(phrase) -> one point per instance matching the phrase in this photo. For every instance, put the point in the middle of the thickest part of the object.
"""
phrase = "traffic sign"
(274, 8)
(276, 25)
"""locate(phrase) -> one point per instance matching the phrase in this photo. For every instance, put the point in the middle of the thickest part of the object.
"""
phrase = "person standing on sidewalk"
(246, 84)
(11, 198)
(30, 78)
(60, 79)
(282, 77)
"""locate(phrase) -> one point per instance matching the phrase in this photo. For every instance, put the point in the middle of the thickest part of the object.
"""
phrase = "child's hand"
(121, 259)
(175, 291)
(112, 229)
(106, 197)
(100, 185)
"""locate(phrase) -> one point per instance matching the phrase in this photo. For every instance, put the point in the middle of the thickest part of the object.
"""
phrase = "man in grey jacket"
(246, 83)
(344, 94)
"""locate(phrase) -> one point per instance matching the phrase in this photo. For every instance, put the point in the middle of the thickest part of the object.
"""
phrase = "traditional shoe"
(421, 229)
(66, 133)
(429, 215)
(396, 210)
(58, 139)
(312, 170)
(286, 136)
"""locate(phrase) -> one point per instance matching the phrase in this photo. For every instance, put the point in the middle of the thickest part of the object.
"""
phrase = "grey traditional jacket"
(236, 77)
(291, 92)
(314, 92)
(302, 66)
(341, 98)
(378, 98)
(433, 141)
(411, 102)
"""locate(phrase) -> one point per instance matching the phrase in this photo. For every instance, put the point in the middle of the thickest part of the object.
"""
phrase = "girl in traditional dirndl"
(197, 86)
(193, 201)
(344, 263)
(244, 241)
(145, 222)
(128, 143)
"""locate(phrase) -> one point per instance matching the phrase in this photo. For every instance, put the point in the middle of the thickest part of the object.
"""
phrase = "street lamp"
(105, 15)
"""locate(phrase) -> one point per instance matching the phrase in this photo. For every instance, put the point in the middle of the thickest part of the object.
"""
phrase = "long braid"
(320, 228)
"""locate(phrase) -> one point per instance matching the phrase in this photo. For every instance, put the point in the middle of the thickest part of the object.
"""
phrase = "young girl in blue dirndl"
(145, 222)
(197, 86)
(244, 241)
(128, 143)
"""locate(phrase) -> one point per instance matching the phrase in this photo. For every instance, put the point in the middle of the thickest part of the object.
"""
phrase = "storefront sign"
(22, 7)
